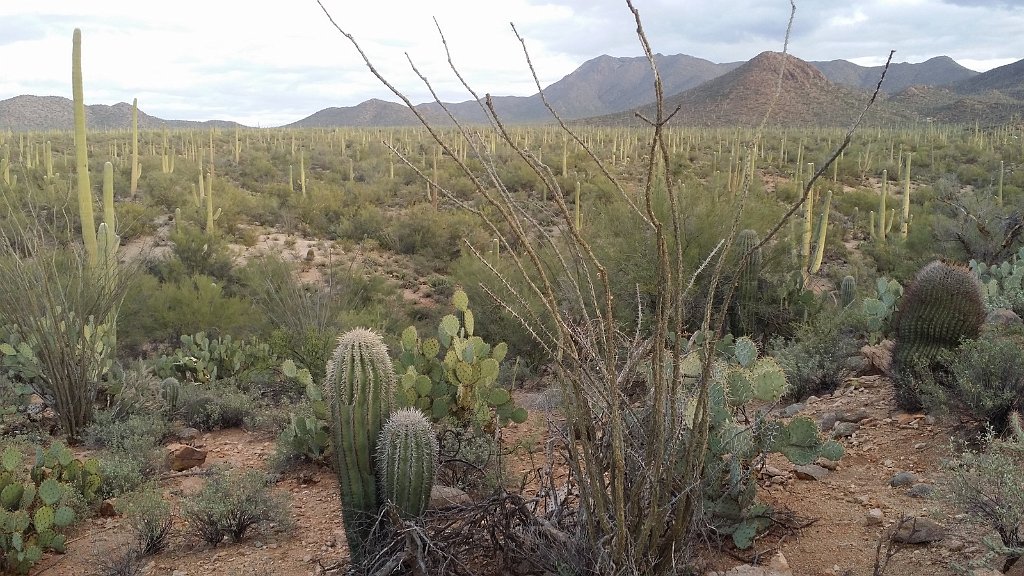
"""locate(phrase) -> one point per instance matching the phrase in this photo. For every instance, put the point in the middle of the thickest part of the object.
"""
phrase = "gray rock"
(844, 429)
(919, 530)
(828, 420)
(792, 410)
(856, 415)
(810, 472)
(903, 479)
(445, 496)
(1002, 317)
(777, 566)
(921, 490)
(874, 517)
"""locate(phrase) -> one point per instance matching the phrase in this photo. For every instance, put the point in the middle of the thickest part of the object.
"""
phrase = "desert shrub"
(988, 375)
(196, 253)
(815, 359)
(149, 517)
(215, 406)
(126, 560)
(155, 312)
(230, 504)
(434, 235)
(136, 433)
(986, 485)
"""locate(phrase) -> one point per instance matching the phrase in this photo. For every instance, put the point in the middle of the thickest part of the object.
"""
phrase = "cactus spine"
(819, 250)
(82, 152)
(360, 388)
(407, 461)
(136, 167)
(848, 291)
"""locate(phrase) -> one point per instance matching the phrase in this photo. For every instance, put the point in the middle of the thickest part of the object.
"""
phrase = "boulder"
(181, 457)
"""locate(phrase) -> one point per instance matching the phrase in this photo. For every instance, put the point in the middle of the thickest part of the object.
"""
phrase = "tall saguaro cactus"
(136, 167)
(81, 151)
(360, 388)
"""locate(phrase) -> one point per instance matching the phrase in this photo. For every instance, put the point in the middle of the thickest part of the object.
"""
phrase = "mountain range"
(611, 90)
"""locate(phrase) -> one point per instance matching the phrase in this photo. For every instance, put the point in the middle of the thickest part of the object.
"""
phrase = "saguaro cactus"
(360, 389)
(819, 250)
(848, 291)
(407, 461)
(136, 166)
(82, 152)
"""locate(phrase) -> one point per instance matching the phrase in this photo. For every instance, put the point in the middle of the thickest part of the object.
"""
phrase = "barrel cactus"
(942, 306)
(360, 389)
(407, 461)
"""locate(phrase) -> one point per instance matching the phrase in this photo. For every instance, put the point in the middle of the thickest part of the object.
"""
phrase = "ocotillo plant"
(407, 461)
(360, 389)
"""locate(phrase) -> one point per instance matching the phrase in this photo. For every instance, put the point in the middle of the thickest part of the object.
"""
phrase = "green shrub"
(232, 503)
(987, 486)
(215, 406)
(149, 517)
(988, 374)
(815, 360)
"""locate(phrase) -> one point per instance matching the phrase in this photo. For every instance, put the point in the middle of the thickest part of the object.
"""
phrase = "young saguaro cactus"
(360, 389)
(407, 461)
(847, 291)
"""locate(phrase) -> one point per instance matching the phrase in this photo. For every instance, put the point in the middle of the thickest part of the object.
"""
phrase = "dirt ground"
(839, 539)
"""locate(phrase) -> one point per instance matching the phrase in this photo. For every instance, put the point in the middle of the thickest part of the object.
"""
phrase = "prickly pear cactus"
(739, 376)
(32, 513)
(455, 374)
(407, 461)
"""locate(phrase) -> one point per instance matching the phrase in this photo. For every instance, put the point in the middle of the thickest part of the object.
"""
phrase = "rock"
(826, 463)
(986, 572)
(903, 479)
(874, 517)
(181, 457)
(919, 530)
(187, 434)
(1001, 318)
(852, 415)
(777, 566)
(108, 508)
(810, 472)
(858, 365)
(1017, 569)
(953, 545)
(920, 490)
(792, 410)
(880, 356)
(844, 429)
(445, 496)
(35, 405)
(773, 471)
(828, 420)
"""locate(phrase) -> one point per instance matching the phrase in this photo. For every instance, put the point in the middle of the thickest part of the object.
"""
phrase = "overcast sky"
(268, 63)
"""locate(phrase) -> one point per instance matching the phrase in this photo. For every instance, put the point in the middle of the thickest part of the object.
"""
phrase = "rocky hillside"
(742, 97)
(27, 113)
(937, 71)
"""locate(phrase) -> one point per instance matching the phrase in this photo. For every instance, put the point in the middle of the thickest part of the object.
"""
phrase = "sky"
(268, 63)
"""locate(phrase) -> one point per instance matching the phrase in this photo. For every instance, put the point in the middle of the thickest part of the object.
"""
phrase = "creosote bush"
(230, 504)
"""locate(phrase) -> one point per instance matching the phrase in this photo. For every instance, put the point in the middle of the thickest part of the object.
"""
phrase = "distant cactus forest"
(493, 349)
